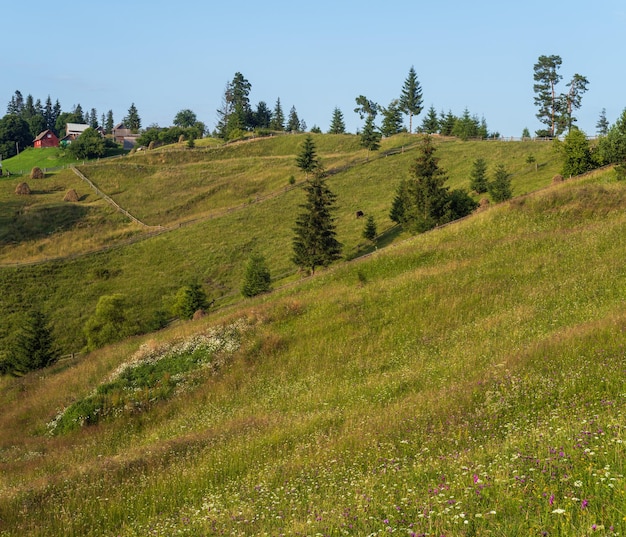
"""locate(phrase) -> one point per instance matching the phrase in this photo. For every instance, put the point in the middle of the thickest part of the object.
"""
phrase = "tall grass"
(469, 381)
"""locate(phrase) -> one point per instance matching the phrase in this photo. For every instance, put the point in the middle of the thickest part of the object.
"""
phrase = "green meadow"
(466, 381)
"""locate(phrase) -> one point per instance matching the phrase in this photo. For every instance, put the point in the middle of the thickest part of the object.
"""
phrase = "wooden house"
(46, 139)
(123, 135)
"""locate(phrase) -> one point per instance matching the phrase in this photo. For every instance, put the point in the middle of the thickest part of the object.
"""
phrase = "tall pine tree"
(422, 201)
(307, 158)
(478, 176)
(35, 347)
(411, 97)
(370, 137)
(278, 117)
(315, 243)
(293, 123)
(132, 120)
(337, 125)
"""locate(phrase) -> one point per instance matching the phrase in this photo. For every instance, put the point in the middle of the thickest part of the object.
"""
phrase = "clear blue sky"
(166, 56)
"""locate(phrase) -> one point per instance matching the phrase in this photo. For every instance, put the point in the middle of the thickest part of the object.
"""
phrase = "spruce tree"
(315, 242)
(500, 187)
(307, 159)
(257, 277)
(370, 231)
(109, 124)
(392, 119)
(48, 114)
(337, 125)
(132, 120)
(370, 138)
(602, 126)
(430, 124)
(293, 123)
(411, 97)
(422, 201)
(478, 176)
(35, 347)
(278, 117)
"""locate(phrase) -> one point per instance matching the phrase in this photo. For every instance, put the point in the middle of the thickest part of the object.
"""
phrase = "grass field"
(232, 200)
(467, 381)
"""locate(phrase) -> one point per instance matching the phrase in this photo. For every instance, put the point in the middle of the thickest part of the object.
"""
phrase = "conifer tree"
(278, 117)
(109, 124)
(293, 123)
(602, 126)
(132, 120)
(478, 176)
(35, 347)
(370, 138)
(411, 97)
(307, 158)
(257, 277)
(337, 125)
(500, 187)
(392, 119)
(430, 123)
(48, 114)
(422, 201)
(370, 231)
(315, 242)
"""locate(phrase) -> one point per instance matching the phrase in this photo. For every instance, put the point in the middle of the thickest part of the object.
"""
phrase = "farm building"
(46, 139)
(123, 135)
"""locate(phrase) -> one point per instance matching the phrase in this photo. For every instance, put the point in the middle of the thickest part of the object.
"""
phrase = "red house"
(46, 139)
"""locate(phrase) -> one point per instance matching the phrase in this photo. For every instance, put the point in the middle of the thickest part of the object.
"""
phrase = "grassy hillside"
(46, 157)
(468, 381)
(219, 205)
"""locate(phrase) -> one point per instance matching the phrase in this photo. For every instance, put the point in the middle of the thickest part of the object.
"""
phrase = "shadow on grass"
(19, 223)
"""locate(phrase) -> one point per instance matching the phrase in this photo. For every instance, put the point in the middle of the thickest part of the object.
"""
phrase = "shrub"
(257, 277)
(109, 323)
(189, 299)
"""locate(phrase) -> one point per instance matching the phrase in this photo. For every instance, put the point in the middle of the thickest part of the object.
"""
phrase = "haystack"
(199, 314)
(557, 178)
(22, 189)
(71, 195)
(37, 173)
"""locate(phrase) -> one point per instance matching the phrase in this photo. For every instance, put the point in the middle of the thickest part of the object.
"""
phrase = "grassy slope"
(469, 381)
(199, 183)
(47, 157)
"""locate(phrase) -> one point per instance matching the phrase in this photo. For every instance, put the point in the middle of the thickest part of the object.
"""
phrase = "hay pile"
(199, 314)
(71, 195)
(36, 173)
(22, 189)
(557, 179)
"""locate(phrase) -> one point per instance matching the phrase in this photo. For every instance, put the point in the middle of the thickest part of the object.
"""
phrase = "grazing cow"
(359, 214)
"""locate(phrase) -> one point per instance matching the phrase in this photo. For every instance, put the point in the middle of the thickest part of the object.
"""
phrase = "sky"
(166, 56)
